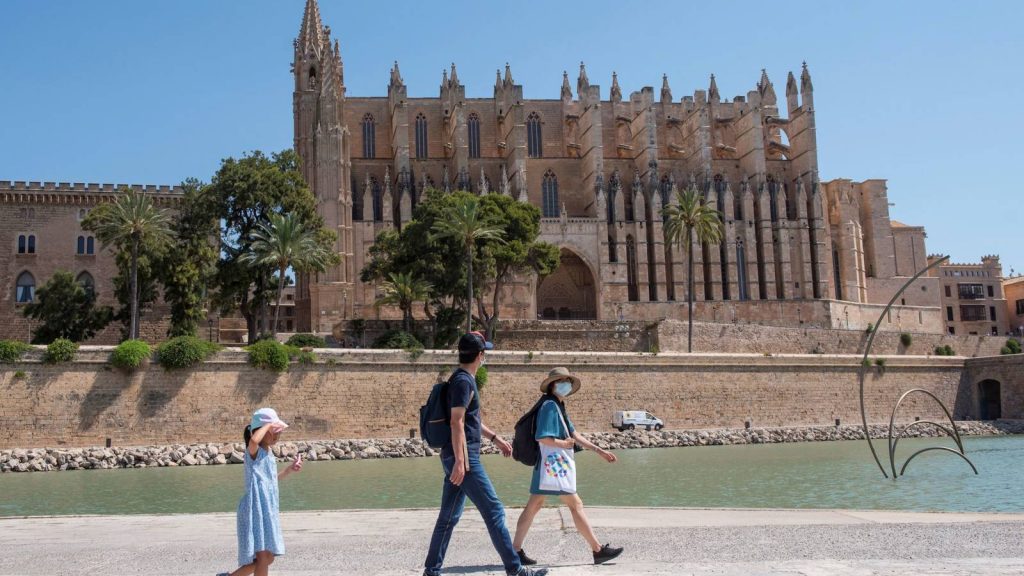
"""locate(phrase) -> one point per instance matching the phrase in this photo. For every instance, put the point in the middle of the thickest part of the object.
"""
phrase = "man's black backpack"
(435, 425)
(524, 444)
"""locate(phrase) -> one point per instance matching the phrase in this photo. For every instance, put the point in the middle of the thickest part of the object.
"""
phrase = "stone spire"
(444, 79)
(508, 74)
(455, 76)
(497, 79)
(713, 90)
(566, 90)
(616, 92)
(582, 82)
(666, 92)
(791, 84)
(396, 76)
(504, 182)
(805, 80)
(311, 37)
(764, 86)
(483, 182)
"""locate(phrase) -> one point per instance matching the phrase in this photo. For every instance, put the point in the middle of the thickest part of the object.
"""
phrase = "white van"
(630, 419)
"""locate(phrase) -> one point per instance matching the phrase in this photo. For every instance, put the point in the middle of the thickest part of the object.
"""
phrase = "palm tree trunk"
(469, 291)
(277, 309)
(689, 296)
(133, 289)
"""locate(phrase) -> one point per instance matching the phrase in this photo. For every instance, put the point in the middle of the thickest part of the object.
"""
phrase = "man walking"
(464, 474)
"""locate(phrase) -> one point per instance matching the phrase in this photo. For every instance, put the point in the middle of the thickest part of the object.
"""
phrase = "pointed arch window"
(549, 199)
(26, 244)
(474, 135)
(533, 136)
(26, 288)
(421, 137)
(741, 269)
(631, 271)
(378, 200)
(369, 137)
(85, 280)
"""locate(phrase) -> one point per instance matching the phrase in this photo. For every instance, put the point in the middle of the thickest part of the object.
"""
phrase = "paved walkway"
(659, 542)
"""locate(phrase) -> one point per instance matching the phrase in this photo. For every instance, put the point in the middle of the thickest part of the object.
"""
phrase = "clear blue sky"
(925, 94)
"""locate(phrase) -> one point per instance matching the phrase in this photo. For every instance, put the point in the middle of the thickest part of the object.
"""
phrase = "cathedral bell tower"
(324, 299)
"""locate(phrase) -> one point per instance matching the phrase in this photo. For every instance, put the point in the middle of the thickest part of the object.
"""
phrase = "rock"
(220, 459)
(236, 458)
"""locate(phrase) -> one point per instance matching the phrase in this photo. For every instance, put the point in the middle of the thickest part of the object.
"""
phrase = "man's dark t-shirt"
(462, 393)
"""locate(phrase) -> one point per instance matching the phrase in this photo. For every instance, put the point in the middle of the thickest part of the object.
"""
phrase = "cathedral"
(600, 166)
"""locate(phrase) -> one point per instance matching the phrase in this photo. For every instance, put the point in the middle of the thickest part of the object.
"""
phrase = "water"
(806, 475)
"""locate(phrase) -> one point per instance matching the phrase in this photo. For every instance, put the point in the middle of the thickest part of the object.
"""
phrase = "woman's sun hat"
(265, 416)
(558, 374)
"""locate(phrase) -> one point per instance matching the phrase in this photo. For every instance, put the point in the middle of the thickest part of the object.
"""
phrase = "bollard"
(837, 422)
(746, 425)
(412, 432)
(108, 442)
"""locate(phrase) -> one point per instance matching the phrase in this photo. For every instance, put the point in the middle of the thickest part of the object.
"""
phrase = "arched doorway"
(989, 403)
(568, 293)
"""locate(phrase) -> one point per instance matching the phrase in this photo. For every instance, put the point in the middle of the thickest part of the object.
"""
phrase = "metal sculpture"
(894, 436)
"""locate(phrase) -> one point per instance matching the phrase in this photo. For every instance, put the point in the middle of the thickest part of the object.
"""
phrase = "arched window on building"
(26, 244)
(421, 137)
(773, 194)
(378, 200)
(26, 288)
(549, 196)
(723, 248)
(86, 281)
(631, 271)
(369, 137)
(80, 250)
(741, 269)
(533, 136)
(90, 245)
(474, 135)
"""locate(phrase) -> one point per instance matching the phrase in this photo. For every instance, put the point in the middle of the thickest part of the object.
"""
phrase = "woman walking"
(555, 472)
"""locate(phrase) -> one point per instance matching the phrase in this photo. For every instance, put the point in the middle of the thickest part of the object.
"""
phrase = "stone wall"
(377, 394)
(753, 338)
(1008, 371)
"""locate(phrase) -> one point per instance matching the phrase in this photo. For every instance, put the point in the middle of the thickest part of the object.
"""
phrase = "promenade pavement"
(659, 542)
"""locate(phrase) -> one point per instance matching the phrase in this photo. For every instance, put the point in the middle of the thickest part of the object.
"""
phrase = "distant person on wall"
(555, 472)
(259, 528)
(464, 475)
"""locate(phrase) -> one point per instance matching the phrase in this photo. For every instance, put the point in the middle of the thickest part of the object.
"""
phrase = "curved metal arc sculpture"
(894, 439)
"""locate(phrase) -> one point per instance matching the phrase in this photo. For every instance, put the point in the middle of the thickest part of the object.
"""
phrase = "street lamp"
(209, 322)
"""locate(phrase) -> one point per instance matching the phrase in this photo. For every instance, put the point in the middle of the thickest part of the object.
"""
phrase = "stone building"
(601, 166)
(972, 297)
(41, 225)
(1013, 291)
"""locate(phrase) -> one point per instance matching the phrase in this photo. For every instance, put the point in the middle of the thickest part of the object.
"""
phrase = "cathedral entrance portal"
(568, 293)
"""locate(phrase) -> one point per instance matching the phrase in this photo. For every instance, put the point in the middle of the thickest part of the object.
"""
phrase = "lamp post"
(209, 322)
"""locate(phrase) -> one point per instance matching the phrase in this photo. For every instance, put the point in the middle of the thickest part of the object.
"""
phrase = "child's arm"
(257, 437)
(295, 466)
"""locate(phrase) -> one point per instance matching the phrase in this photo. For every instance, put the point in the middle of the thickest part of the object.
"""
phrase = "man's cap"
(474, 342)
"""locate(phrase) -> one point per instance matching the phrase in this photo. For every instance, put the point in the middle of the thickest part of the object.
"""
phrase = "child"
(259, 529)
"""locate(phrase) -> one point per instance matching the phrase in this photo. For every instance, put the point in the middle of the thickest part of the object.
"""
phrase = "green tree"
(402, 289)
(519, 252)
(285, 242)
(466, 225)
(187, 271)
(128, 223)
(243, 194)
(691, 219)
(66, 309)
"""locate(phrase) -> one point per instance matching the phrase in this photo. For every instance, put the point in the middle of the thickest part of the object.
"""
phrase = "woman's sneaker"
(526, 560)
(606, 553)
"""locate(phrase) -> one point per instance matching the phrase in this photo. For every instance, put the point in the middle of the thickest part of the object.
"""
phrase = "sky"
(926, 95)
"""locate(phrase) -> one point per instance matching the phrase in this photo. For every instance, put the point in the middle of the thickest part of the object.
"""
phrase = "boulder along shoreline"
(213, 454)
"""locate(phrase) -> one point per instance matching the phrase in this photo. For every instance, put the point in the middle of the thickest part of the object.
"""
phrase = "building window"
(949, 291)
(26, 288)
(86, 281)
(995, 331)
(741, 269)
(991, 292)
(613, 250)
(952, 330)
(992, 313)
(81, 245)
(533, 136)
(631, 272)
(970, 291)
(949, 313)
(474, 136)
(550, 195)
(369, 137)
(86, 245)
(421, 137)
(973, 313)
(1020, 307)
(378, 200)
(27, 244)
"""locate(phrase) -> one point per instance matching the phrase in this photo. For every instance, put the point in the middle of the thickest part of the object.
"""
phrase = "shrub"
(481, 377)
(306, 356)
(865, 363)
(12, 350)
(870, 328)
(906, 339)
(945, 350)
(880, 364)
(60, 350)
(397, 340)
(184, 352)
(306, 341)
(1005, 351)
(1012, 346)
(130, 354)
(20, 375)
(270, 355)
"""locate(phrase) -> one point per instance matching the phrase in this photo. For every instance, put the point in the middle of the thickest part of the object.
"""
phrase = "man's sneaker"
(524, 571)
(526, 560)
(606, 553)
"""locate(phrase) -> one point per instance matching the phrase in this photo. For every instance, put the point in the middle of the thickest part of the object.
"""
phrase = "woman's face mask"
(563, 388)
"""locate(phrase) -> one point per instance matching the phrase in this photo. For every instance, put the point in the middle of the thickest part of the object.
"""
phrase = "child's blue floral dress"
(259, 527)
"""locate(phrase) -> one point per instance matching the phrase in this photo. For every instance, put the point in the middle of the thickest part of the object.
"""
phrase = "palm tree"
(403, 290)
(466, 225)
(129, 222)
(692, 218)
(285, 242)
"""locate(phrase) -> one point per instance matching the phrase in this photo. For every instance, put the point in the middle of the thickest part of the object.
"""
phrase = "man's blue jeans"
(477, 486)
